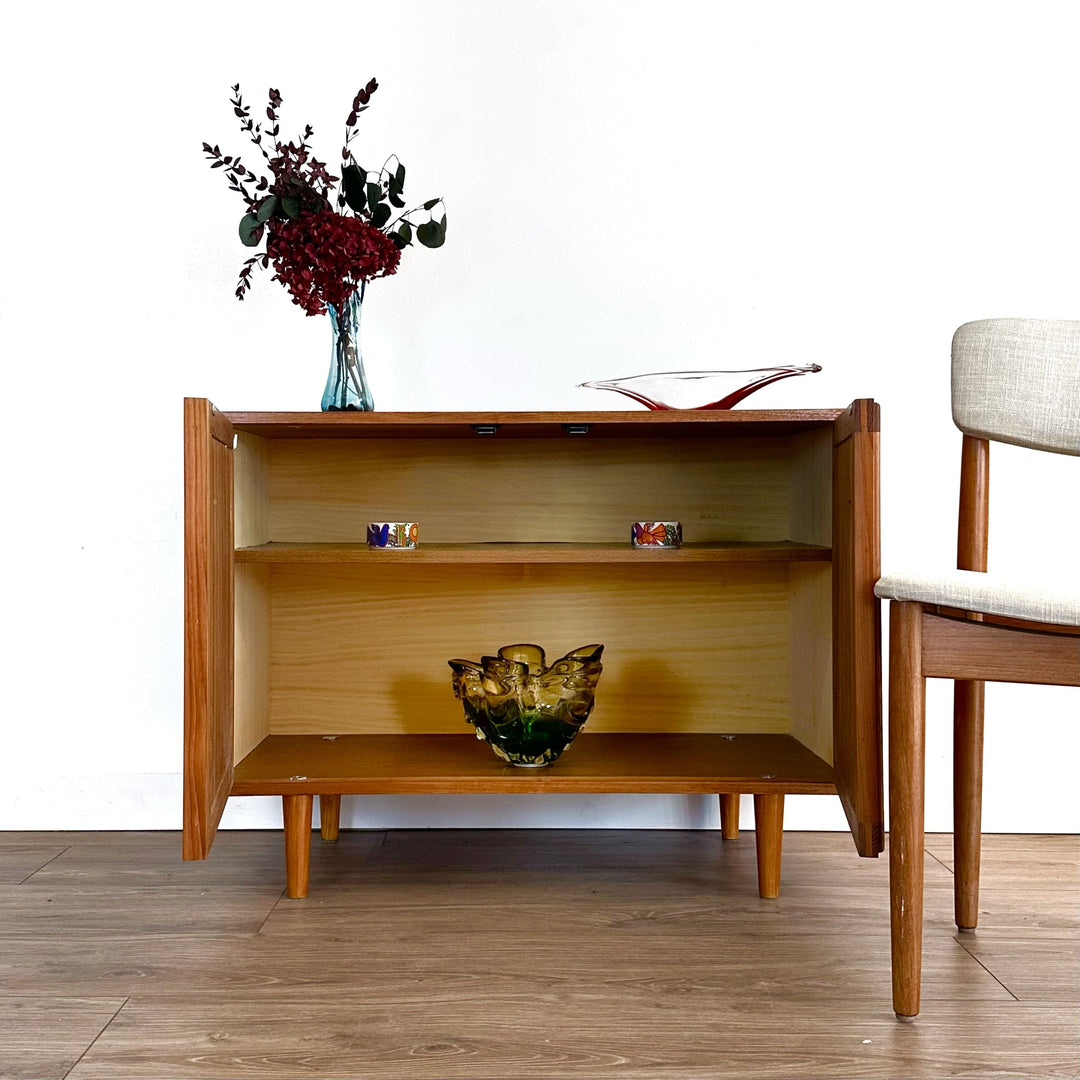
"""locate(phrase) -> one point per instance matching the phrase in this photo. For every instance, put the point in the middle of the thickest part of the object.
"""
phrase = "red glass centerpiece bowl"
(697, 389)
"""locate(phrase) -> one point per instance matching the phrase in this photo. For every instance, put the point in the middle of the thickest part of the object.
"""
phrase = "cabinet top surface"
(531, 424)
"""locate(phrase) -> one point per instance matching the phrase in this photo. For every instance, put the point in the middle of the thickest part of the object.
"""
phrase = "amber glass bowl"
(527, 710)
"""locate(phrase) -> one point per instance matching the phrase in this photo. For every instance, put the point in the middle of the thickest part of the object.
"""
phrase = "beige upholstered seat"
(1014, 381)
(1054, 602)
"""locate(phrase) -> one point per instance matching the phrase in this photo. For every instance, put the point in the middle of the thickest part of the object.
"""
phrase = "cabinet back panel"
(485, 489)
(692, 648)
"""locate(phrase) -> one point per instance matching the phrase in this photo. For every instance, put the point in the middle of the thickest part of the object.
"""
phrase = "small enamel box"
(656, 534)
(392, 535)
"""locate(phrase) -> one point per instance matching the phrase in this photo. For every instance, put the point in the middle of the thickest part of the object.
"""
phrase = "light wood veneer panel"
(811, 657)
(530, 490)
(251, 701)
(251, 476)
(810, 494)
(692, 648)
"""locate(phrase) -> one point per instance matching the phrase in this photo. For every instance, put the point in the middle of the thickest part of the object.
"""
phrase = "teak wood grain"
(907, 784)
(208, 623)
(495, 554)
(296, 813)
(856, 636)
(594, 764)
(329, 816)
(729, 815)
(969, 696)
(973, 518)
(969, 647)
(511, 425)
(524, 536)
(769, 835)
(955, 648)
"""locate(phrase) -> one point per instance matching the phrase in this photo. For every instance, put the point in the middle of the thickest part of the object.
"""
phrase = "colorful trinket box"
(392, 535)
(656, 534)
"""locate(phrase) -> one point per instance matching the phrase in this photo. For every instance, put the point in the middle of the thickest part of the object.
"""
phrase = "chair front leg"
(968, 698)
(907, 768)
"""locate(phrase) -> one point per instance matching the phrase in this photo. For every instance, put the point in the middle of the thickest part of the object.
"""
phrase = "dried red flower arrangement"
(319, 253)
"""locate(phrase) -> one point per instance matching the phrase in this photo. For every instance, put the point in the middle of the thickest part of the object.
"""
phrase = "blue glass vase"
(346, 385)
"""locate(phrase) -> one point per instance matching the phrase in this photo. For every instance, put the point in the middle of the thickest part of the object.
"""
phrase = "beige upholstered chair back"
(1018, 381)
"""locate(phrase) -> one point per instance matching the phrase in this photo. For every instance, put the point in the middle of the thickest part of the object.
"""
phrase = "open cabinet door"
(856, 566)
(208, 622)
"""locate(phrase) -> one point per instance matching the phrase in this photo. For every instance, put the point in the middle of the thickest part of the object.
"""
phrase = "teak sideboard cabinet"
(747, 661)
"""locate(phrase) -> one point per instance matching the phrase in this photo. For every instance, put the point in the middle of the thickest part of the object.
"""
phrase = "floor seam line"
(940, 862)
(957, 939)
(93, 1042)
(44, 864)
(273, 908)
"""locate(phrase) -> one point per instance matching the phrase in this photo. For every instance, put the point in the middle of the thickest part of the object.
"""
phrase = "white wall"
(630, 187)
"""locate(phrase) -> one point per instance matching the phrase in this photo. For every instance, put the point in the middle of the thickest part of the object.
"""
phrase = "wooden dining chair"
(1014, 381)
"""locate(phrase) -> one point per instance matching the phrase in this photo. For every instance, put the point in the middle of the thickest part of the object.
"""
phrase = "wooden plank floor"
(532, 954)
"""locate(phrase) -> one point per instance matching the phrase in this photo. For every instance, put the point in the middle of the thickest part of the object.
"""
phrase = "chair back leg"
(968, 699)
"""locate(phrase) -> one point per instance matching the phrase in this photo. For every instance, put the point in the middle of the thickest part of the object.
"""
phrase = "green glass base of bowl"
(528, 711)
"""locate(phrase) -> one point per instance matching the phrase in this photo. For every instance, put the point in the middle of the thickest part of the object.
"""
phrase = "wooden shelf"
(594, 764)
(491, 553)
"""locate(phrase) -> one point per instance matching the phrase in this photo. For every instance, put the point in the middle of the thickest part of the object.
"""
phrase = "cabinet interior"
(731, 634)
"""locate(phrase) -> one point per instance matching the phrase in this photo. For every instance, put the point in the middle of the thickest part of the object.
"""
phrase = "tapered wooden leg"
(329, 816)
(769, 831)
(729, 817)
(907, 771)
(968, 698)
(297, 814)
